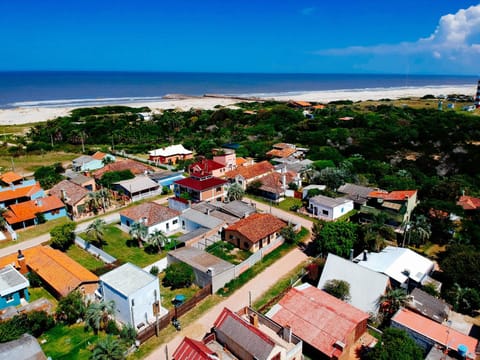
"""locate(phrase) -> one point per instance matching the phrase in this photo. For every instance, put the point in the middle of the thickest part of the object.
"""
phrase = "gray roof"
(83, 159)
(161, 175)
(127, 279)
(200, 260)
(192, 234)
(428, 305)
(357, 193)
(328, 201)
(77, 178)
(238, 208)
(24, 348)
(366, 285)
(201, 219)
(11, 280)
(137, 184)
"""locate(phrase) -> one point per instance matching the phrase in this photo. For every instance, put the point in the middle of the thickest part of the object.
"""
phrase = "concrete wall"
(143, 302)
(122, 304)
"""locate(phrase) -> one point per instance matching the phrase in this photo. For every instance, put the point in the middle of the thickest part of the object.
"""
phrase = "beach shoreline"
(35, 114)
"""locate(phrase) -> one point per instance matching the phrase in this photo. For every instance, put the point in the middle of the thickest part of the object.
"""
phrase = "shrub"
(178, 275)
(63, 236)
(112, 328)
(154, 270)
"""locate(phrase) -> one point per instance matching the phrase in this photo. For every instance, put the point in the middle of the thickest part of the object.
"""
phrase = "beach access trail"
(240, 298)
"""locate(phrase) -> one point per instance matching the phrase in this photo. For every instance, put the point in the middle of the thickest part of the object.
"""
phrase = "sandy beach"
(26, 115)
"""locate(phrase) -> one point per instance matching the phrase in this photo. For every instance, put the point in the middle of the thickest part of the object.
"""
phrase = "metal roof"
(201, 219)
(11, 280)
(200, 259)
(128, 278)
(137, 184)
(328, 201)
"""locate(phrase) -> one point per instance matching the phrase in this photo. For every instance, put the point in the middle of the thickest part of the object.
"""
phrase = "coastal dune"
(34, 114)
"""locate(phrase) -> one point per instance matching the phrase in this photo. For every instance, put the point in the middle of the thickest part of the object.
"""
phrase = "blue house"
(13, 287)
(90, 163)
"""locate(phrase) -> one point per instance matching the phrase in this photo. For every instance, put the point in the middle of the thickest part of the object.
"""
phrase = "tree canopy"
(336, 238)
(395, 344)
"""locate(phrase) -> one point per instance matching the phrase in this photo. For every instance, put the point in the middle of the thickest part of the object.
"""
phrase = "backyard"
(228, 252)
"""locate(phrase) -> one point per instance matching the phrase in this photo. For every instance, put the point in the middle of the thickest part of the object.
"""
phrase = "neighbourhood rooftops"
(357, 193)
(438, 333)
(400, 195)
(469, 202)
(11, 280)
(127, 279)
(73, 192)
(82, 159)
(237, 208)
(398, 263)
(251, 171)
(29, 209)
(257, 226)
(10, 177)
(24, 348)
(134, 166)
(205, 166)
(153, 213)
(138, 184)
(190, 349)
(273, 182)
(198, 217)
(170, 151)
(328, 201)
(281, 153)
(365, 285)
(316, 317)
(428, 305)
(201, 260)
(19, 192)
(78, 178)
(201, 185)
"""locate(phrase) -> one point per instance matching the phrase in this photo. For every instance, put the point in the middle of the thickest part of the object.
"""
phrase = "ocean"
(75, 88)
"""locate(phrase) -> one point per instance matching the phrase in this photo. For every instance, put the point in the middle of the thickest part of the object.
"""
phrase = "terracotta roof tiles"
(19, 192)
(257, 226)
(134, 166)
(27, 210)
(251, 171)
(73, 191)
(10, 177)
(152, 212)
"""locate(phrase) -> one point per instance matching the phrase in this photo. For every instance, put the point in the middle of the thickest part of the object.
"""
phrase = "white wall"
(122, 310)
(143, 303)
(163, 226)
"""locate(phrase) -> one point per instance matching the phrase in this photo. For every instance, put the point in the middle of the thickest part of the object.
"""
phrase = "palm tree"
(98, 314)
(418, 231)
(139, 232)
(108, 348)
(157, 239)
(94, 201)
(96, 231)
(105, 198)
(393, 300)
(235, 192)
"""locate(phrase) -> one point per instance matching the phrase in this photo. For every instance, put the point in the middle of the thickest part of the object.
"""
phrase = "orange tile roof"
(25, 191)
(134, 166)
(10, 177)
(302, 103)
(99, 155)
(439, 333)
(283, 153)
(240, 161)
(318, 318)
(394, 195)
(257, 226)
(152, 212)
(58, 270)
(319, 107)
(469, 202)
(27, 210)
(273, 181)
(251, 171)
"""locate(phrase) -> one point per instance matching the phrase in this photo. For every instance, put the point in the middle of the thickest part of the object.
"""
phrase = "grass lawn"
(40, 292)
(120, 245)
(84, 258)
(431, 250)
(168, 293)
(228, 252)
(30, 162)
(289, 202)
(68, 342)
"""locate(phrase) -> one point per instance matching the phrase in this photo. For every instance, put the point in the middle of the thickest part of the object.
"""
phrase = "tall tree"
(63, 236)
(157, 239)
(235, 192)
(96, 231)
(395, 344)
(336, 238)
(98, 314)
(108, 348)
(139, 232)
(71, 308)
(338, 288)
(393, 300)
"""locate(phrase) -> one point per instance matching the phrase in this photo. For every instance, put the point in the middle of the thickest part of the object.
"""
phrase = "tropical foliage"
(395, 344)
(71, 308)
(178, 275)
(63, 236)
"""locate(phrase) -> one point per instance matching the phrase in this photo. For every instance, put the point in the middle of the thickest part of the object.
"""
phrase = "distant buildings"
(170, 154)
(328, 208)
(96, 161)
(154, 216)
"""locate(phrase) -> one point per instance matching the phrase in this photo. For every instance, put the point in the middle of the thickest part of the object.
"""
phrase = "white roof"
(11, 280)
(329, 202)
(199, 218)
(398, 263)
(366, 285)
(170, 151)
(127, 279)
(137, 184)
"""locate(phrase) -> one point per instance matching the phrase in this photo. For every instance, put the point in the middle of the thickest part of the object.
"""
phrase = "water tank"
(462, 350)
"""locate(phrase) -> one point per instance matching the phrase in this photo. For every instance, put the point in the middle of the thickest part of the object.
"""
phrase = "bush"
(34, 323)
(63, 236)
(112, 328)
(34, 279)
(128, 334)
(154, 270)
(178, 275)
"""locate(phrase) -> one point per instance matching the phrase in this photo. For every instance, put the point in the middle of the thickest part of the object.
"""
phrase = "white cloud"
(454, 37)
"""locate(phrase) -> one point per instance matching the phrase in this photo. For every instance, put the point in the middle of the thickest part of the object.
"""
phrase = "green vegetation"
(169, 293)
(338, 288)
(48, 176)
(63, 236)
(84, 258)
(336, 238)
(111, 177)
(34, 323)
(395, 344)
(178, 275)
(39, 292)
(228, 252)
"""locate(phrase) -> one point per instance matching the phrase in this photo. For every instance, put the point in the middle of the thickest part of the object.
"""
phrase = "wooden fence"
(166, 319)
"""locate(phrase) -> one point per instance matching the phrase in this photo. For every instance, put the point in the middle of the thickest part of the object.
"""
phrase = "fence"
(92, 249)
(181, 310)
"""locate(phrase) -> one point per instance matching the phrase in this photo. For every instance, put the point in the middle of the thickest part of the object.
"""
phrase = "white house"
(328, 208)
(154, 216)
(135, 292)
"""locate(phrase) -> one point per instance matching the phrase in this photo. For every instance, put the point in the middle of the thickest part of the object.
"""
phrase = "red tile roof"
(10, 177)
(134, 166)
(190, 349)
(257, 226)
(439, 333)
(200, 185)
(469, 202)
(153, 213)
(205, 166)
(57, 269)
(273, 182)
(74, 192)
(283, 153)
(27, 210)
(251, 171)
(99, 155)
(240, 161)
(318, 318)
(25, 191)
(302, 103)
(394, 195)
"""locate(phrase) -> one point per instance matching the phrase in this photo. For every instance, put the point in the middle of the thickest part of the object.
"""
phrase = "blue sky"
(376, 36)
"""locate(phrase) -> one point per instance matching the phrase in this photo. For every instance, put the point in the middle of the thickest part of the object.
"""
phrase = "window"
(231, 236)
(218, 189)
(325, 212)
(175, 222)
(56, 211)
(246, 245)
(341, 210)
(9, 298)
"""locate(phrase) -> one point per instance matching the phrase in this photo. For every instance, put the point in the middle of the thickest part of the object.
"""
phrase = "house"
(138, 188)
(166, 178)
(328, 208)
(192, 219)
(396, 205)
(207, 167)
(24, 348)
(135, 292)
(326, 325)
(406, 268)
(247, 174)
(428, 305)
(25, 214)
(357, 193)
(10, 179)
(60, 274)
(135, 167)
(366, 286)
(170, 154)
(297, 166)
(275, 185)
(208, 268)
(307, 188)
(243, 335)
(226, 157)
(254, 232)
(13, 287)
(21, 194)
(75, 197)
(469, 203)
(94, 162)
(237, 208)
(428, 333)
(201, 188)
(154, 216)
(84, 181)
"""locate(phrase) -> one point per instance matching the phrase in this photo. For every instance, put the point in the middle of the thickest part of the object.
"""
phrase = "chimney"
(365, 255)
(254, 320)
(21, 262)
(287, 333)
(351, 255)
